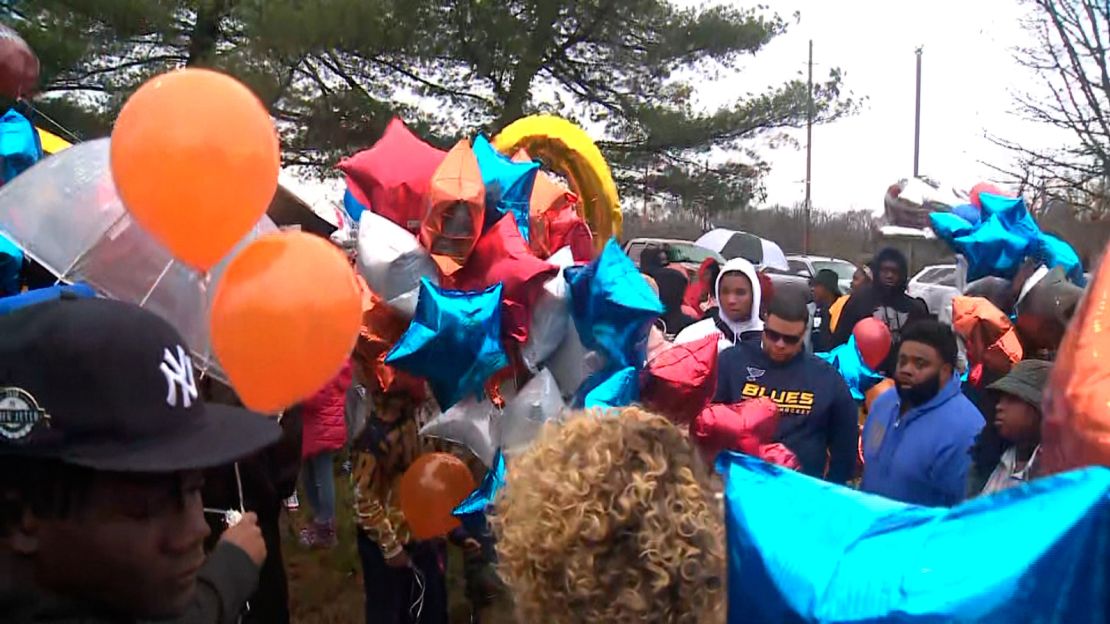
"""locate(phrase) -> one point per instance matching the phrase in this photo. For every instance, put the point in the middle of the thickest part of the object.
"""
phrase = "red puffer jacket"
(325, 427)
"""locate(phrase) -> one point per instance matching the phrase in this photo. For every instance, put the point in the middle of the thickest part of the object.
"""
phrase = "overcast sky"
(969, 77)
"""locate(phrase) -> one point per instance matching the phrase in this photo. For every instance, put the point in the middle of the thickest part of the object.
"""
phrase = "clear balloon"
(195, 159)
(285, 317)
(430, 490)
(392, 262)
(572, 363)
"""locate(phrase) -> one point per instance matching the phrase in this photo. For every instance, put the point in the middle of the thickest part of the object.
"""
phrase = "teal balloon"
(453, 341)
(804, 550)
(998, 245)
(472, 511)
(508, 185)
(846, 359)
(1057, 253)
(613, 307)
(19, 145)
(609, 389)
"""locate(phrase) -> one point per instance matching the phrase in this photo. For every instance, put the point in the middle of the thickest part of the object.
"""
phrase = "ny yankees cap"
(110, 386)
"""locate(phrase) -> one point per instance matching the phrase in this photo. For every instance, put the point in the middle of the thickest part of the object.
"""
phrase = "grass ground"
(325, 587)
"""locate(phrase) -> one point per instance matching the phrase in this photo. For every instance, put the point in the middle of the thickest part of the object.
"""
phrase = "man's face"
(133, 544)
(1017, 421)
(890, 274)
(735, 297)
(859, 280)
(822, 295)
(782, 339)
(920, 372)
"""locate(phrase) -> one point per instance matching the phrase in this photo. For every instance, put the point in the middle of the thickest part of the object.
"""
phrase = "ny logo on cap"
(179, 376)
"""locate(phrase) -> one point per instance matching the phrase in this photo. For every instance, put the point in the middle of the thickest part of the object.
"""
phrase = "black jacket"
(891, 306)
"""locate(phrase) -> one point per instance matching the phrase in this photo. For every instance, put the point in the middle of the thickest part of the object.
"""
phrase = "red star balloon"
(562, 226)
(502, 255)
(456, 209)
(1075, 430)
(394, 174)
(680, 381)
(740, 427)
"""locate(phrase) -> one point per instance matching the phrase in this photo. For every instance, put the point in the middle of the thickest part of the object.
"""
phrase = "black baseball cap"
(828, 279)
(111, 386)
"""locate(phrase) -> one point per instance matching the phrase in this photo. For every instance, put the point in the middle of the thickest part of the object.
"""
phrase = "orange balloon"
(195, 160)
(1075, 428)
(430, 490)
(876, 391)
(285, 318)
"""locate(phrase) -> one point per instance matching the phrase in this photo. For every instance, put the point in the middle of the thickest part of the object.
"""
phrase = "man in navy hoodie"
(818, 418)
(917, 436)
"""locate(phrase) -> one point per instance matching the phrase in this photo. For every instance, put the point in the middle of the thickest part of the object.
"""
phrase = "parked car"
(682, 252)
(936, 286)
(808, 266)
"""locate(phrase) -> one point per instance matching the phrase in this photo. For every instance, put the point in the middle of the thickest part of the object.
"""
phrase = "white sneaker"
(292, 503)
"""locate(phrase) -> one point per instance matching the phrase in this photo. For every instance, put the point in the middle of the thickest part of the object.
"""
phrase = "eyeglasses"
(773, 336)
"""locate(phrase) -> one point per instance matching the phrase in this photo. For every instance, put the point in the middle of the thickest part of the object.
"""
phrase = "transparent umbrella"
(65, 214)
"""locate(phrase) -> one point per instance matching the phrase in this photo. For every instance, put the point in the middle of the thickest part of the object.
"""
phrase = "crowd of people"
(121, 498)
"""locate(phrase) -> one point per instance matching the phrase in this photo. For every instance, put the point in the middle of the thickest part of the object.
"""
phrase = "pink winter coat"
(325, 424)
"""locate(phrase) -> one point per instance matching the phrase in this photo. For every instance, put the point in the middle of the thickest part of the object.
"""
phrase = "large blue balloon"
(846, 359)
(968, 213)
(508, 185)
(613, 307)
(1002, 240)
(472, 511)
(453, 342)
(804, 550)
(1057, 253)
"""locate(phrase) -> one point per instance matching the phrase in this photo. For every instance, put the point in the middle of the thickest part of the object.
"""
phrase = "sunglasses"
(773, 337)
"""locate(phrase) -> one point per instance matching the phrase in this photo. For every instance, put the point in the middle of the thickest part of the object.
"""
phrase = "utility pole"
(917, 120)
(809, 152)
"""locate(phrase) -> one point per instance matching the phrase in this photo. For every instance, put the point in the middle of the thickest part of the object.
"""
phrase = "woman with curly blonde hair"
(610, 518)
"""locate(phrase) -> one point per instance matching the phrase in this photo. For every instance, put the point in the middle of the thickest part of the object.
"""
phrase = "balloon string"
(156, 283)
(239, 484)
(417, 608)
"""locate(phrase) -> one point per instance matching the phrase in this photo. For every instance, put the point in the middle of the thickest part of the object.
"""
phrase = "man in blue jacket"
(917, 436)
(818, 418)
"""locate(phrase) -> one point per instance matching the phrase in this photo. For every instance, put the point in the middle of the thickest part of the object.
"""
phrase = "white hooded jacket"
(709, 326)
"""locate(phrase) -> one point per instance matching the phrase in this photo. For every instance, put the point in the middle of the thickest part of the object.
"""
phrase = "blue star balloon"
(613, 307)
(998, 244)
(969, 213)
(804, 550)
(608, 389)
(453, 342)
(1057, 253)
(846, 359)
(472, 511)
(508, 185)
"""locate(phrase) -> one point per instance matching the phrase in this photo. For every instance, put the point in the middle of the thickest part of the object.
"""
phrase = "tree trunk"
(512, 108)
(206, 31)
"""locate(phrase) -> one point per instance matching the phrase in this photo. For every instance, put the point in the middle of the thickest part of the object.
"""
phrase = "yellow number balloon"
(566, 148)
